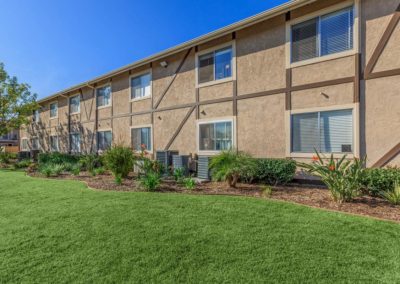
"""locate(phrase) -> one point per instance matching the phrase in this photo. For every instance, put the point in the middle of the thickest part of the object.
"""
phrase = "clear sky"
(53, 45)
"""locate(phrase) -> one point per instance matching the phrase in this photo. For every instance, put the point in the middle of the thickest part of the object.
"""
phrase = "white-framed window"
(141, 138)
(325, 131)
(36, 115)
(35, 143)
(141, 86)
(75, 104)
(216, 65)
(215, 135)
(24, 144)
(53, 110)
(104, 140)
(54, 146)
(75, 142)
(327, 34)
(103, 96)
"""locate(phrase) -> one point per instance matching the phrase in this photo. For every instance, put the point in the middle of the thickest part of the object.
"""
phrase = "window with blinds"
(103, 95)
(74, 104)
(215, 136)
(141, 139)
(104, 140)
(326, 132)
(324, 35)
(141, 86)
(215, 65)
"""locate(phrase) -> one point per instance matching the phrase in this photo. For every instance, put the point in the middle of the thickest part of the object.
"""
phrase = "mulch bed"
(302, 194)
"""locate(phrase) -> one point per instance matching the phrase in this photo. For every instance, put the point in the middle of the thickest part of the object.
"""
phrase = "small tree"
(16, 102)
(119, 160)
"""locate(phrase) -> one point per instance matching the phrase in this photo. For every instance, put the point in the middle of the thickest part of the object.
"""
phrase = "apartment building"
(309, 74)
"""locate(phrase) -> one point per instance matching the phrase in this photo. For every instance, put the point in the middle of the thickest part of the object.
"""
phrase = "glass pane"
(53, 110)
(223, 60)
(141, 86)
(104, 96)
(206, 67)
(336, 131)
(146, 137)
(74, 103)
(304, 40)
(207, 139)
(305, 133)
(136, 139)
(337, 32)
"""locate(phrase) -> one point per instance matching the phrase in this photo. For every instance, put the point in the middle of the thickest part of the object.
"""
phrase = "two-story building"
(309, 74)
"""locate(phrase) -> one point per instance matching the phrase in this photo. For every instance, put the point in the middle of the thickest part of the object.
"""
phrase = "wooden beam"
(197, 103)
(234, 95)
(357, 78)
(382, 42)
(178, 130)
(387, 157)
(173, 78)
(288, 93)
(387, 73)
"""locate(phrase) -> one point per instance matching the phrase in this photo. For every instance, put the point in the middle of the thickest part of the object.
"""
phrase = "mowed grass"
(60, 231)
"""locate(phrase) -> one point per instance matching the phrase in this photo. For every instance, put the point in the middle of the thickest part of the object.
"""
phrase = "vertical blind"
(104, 140)
(141, 136)
(324, 35)
(141, 86)
(327, 132)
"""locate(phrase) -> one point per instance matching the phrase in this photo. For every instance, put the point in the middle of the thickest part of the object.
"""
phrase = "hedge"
(376, 181)
(57, 158)
(274, 171)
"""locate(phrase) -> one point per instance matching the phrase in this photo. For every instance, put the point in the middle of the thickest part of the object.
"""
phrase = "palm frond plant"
(230, 166)
(393, 196)
(343, 177)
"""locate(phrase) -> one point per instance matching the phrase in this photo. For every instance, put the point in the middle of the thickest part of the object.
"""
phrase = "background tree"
(16, 102)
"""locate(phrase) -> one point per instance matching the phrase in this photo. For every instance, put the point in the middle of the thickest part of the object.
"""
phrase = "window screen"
(104, 96)
(104, 140)
(141, 136)
(215, 136)
(74, 104)
(53, 110)
(215, 65)
(141, 86)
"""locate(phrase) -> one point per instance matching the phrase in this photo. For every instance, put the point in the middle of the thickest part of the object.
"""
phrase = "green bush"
(393, 195)
(118, 179)
(230, 166)
(266, 191)
(5, 157)
(76, 170)
(57, 169)
(57, 158)
(376, 181)
(99, 171)
(119, 160)
(23, 164)
(46, 170)
(274, 171)
(151, 181)
(189, 183)
(179, 174)
(342, 177)
(90, 162)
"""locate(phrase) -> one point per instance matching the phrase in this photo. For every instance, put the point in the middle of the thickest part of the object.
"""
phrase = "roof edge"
(283, 8)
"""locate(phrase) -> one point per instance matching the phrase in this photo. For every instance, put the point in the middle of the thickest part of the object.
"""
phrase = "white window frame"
(212, 49)
(38, 143)
(58, 143)
(22, 144)
(144, 72)
(53, 117)
(322, 12)
(356, 130)
(97, 137)
(111, 95)
(70, 143)
(215, 120)
(151, 136)
(69, 104)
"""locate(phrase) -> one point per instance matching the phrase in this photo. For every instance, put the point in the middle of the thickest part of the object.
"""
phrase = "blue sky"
(53, 45)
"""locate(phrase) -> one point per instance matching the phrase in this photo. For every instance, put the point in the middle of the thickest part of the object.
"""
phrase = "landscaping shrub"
(274, 171)
(393, 195)
(23, 164)
(119, 160)
(266, 191)
(90, 162)
(118, 179)
(57, 169)
(189, 183)
(342, 177)
(151, 181)
(46, 170)
(178, 174)
(230, 166)
(76, 170)
(99, 171)
(57, 158)
(376, 181)
(5, 157)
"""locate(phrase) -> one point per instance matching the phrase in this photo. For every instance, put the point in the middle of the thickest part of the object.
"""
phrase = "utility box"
(181, 161)
(203, 171)
(165, 158)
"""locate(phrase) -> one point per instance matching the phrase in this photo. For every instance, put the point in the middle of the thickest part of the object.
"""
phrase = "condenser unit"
(165, 158)
(181, 161)
(203, 171)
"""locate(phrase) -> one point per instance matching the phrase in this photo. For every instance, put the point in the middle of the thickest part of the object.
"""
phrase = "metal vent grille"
(165, 158)
(181, 161)
(203, 171)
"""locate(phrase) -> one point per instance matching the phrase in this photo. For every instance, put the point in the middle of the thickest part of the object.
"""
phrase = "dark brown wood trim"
(387, 157)
(381, 74)
(382, 42)
(323, 84)
(173, 78)
(96, 119)
(288, 93)
(197, 103)
(178, 130)
(357, 77)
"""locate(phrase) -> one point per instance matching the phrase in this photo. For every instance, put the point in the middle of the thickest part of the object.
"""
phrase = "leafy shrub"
(189, 183)
(179, 174)
(376, 181)
(76, 170)
(393, 196)
(151, 181)
(343, 177)
(119, 160)
(57, 158)
(118, 179)
(23, 164)
(230, 166)
(99, 171)
(274, 171)
(266, 191)
(46, 170)
(32, 168)
(57, 169)
(5, 157)
(90, 162)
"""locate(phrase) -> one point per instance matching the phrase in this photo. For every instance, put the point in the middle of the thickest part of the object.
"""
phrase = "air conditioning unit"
(203, 171)
(165, 158)
(23, 155)
(181, 161)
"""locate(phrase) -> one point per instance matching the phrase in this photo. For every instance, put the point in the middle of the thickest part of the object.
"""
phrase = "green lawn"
(60, 231)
